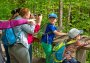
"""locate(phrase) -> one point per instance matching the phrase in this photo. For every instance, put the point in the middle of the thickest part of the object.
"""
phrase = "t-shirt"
(30, 36)
(49, 35)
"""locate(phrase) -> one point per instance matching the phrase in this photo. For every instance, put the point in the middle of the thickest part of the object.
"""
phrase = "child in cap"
(72, 43)
(47, 38)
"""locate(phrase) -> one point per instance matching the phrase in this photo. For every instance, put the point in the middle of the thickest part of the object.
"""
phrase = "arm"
(79, 43)
(38, 19)
(18, 22)
(5, 24)
(12, 23)
(28, 28)
(37, 28)
(38, 23)
(54, 30)
(59, 33)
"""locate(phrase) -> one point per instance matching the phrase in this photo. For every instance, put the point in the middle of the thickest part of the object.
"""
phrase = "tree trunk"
(60, 14)
(81, 55)
(47, 7)
(69, 12)
(69, 15)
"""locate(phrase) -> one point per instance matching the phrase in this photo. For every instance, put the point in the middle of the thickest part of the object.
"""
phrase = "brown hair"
(24, 11)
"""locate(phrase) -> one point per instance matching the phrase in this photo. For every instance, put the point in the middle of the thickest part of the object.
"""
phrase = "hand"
(81, 44)
(39, 19)
(66, 33)
(32, 16)
(32, 21)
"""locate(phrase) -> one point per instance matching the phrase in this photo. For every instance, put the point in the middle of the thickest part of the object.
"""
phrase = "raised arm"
(28, 28)
(18, 22)
(12, 23)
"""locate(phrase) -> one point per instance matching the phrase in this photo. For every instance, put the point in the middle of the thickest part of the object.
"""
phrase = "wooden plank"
(86, 47)
(60, 38)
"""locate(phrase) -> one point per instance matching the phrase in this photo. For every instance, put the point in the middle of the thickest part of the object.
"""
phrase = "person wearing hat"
(48, 36)
(72, 44)
(74, 34)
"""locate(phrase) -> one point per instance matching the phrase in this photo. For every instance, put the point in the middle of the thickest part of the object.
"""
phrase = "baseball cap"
(74, 32)
(52, 15)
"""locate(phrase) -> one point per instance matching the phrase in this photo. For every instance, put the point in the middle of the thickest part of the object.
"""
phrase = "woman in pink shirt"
(31, 38)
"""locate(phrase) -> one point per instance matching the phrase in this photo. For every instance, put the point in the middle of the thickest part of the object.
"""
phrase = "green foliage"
(80, 11)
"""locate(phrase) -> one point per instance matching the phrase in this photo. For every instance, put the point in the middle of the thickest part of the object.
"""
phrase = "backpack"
(40, 33)
(58, 51)
(8, 37)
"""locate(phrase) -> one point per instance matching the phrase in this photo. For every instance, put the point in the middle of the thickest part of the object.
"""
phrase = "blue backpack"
(57, 55)
(59, 49)
(8, 37)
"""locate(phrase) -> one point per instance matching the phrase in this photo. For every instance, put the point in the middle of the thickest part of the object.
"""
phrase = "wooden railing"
(81, 52)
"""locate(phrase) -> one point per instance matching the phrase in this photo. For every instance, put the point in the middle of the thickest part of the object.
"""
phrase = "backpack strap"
(45, 28)
(46, 33)
(57, 60)
(59, 46)
(71, 42)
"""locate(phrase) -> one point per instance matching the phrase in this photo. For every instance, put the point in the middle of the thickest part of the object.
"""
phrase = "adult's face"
(27, 15)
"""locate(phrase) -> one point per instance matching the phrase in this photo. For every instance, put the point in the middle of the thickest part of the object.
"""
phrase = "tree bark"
(60, 14)
(81, 55)
(69, 15)
(69, 12)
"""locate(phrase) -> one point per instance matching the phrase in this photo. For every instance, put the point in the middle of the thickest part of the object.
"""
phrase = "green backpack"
(59, 49)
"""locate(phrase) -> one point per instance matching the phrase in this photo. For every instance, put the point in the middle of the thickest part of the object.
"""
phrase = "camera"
(37, 14)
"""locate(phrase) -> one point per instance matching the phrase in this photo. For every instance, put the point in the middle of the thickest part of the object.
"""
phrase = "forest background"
(74, 13)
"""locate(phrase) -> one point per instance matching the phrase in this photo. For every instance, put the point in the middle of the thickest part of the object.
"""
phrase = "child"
(73, 42)
(47, 38)
(69, 58)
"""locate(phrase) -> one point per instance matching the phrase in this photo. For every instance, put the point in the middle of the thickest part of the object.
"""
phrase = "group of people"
(25, 25)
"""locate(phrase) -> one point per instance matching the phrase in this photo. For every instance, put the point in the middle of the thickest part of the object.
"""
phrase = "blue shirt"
(48, 38)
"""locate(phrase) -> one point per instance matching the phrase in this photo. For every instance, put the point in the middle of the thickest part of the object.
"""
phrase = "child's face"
(53, 20)
(78, 37)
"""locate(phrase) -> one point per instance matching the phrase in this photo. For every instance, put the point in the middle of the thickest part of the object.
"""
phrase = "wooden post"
(81, 55)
